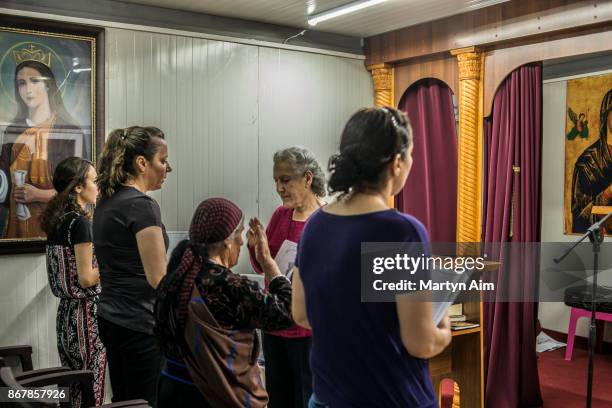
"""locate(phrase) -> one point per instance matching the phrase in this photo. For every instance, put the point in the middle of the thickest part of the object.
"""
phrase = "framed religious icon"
(588, 151)
(51, 108)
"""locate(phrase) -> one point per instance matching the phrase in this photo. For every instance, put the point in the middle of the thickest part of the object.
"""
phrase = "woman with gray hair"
(300, 183)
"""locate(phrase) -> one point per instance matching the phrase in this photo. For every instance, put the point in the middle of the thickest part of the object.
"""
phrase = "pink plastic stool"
(577, 313)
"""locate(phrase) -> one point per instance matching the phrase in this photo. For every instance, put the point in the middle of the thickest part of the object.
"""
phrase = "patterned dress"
(78, 342)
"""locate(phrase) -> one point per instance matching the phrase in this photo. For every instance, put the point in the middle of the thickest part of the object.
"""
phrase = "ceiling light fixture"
(478, 4)
(342, 10)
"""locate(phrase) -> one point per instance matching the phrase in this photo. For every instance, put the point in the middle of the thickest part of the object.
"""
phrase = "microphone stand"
(595, 235)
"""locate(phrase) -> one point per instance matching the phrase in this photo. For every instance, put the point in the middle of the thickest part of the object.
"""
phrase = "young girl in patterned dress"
(73, 271)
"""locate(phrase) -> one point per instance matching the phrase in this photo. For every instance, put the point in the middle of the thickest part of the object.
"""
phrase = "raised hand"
(257, 238)
(251, 232)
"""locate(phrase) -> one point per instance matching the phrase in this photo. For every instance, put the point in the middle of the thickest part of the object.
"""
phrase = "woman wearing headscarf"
(206, 315)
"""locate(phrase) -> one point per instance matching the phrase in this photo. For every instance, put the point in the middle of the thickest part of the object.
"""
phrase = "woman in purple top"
(364, 354)
(300, 183)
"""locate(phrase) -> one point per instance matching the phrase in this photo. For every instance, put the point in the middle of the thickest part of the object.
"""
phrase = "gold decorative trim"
(469, 171)
(382, 78)
(469, 66)
(48, 34)
(456, 396)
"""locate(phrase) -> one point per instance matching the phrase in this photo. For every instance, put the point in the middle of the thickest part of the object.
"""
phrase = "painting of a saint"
(47, 83)
(589, 183)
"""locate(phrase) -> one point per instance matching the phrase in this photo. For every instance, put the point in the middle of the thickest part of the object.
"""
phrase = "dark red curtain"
(512, 213)
(430, 193)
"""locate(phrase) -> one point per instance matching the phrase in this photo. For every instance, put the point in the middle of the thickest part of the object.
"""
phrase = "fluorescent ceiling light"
(342, 10)
(478, 4)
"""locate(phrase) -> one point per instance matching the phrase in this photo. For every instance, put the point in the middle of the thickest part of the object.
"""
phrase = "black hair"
(370, 141)
(69, 174)
(116, 163)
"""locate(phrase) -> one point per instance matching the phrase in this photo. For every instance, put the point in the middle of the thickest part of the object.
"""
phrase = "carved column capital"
(470, 62)
(382, 77)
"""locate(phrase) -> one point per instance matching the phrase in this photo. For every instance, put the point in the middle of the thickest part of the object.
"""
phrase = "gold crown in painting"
(31, 53)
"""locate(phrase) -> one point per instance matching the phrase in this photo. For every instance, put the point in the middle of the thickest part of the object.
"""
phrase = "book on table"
(463, 325)
(456, 309)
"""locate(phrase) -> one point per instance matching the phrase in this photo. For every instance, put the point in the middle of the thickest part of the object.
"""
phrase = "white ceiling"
(386, 16)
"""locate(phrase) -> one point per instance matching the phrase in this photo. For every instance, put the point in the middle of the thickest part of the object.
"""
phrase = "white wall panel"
(27, 307)
(168, 123)
(115, 99)
(304, 100)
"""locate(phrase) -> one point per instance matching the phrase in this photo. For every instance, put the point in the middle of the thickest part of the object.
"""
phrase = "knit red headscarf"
(213, 221)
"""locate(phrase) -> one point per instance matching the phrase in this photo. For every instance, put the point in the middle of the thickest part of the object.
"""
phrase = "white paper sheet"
(546, 343)
(285, 258)
(439, 310)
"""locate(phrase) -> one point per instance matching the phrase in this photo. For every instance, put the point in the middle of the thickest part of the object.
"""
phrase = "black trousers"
(134, 361)
(288, 377)
(172, 394)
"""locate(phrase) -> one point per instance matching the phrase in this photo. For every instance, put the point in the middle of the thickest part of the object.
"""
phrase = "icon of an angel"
(581, 125)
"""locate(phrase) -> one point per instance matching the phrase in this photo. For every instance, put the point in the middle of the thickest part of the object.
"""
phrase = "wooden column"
(456, 396)
(382, 76)
(469, 213)
(469, 183)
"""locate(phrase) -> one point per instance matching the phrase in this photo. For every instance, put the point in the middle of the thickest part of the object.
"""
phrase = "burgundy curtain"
(430, 193)
(512, 213)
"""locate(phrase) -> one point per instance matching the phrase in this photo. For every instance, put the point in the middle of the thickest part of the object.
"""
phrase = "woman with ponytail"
(391, 340)
(206, 315)
(73, 271)
(131, 244)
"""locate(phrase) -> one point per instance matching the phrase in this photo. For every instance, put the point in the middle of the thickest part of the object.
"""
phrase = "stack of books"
(455, 312)
(458, 319)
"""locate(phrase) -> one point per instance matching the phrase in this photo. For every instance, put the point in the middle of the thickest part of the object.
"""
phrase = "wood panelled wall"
(225, 109)
(500, 61)
(511, 34)
(441, 66)
(496, 24)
